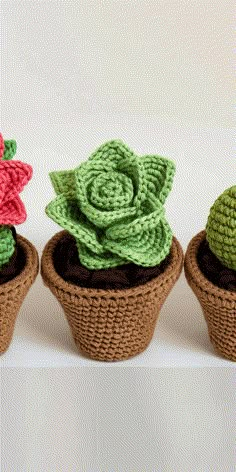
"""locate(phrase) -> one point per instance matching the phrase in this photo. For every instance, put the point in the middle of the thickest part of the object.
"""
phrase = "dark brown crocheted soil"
(15, 264)
(68, 266)
(213, 270)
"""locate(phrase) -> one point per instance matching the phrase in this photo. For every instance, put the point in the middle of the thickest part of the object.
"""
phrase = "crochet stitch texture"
(14, 175)
(113, 205)
(221, 228)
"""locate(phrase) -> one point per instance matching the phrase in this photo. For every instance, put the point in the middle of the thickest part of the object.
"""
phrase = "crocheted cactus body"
(7, 245)
(113, 206)
(221, 228)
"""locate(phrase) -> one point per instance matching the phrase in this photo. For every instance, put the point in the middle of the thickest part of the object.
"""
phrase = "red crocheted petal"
(2, 147)
(3, 183)
(13, 212)
(18, 175)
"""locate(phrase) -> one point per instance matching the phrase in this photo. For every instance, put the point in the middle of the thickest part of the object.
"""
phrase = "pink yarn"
(2, 147)
(14, 175)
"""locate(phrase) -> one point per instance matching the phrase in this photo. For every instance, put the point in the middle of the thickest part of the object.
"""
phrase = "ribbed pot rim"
(32, 260)
(200, 280)
(48, 272)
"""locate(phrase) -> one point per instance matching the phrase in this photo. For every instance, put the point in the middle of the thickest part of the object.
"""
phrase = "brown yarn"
(13, 292)
(214, 270)
(15, 264)
(218, 305)
(68, 266)
(111, 325)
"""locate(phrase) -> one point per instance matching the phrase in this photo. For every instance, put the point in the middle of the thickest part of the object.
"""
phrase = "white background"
(158, 75)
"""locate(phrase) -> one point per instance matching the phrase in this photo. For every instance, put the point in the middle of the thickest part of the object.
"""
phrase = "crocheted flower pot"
(218, 304)
(18, 257)
(111, 325)
(112, 206)
(13, 292)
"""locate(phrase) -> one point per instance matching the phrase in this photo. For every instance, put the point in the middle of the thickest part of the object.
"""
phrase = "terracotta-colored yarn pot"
(13, 292)
(218, 305)
(111, 325)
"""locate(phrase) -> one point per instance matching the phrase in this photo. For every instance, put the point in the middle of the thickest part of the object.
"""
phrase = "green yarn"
(7, 245)
(9, 149)
(221, 228)
(113, 205)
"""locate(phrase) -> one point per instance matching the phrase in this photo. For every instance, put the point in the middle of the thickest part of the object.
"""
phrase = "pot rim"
(191, 266)
(32, 261)
(48, 272)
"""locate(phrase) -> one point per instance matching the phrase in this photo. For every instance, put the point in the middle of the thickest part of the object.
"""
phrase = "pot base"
(13, 292)
(218, 305)
(111, 325)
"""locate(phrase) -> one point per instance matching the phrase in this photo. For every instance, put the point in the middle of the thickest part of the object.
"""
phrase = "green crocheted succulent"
(113, 205)
(221, 228)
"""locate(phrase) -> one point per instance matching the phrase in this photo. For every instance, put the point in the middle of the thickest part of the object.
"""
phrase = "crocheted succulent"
(14, 175)
(113, 206)
(221, 228)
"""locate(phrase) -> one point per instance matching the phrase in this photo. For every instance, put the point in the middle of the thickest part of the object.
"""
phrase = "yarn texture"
(111, 325)
(113, 206)
(14, 175)
(13, 292)
(221, 228)
(218, 305)
(7, 245)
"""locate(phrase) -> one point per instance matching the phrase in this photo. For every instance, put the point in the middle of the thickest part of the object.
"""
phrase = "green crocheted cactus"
(113, 205)
(7, 245)
(221, 228)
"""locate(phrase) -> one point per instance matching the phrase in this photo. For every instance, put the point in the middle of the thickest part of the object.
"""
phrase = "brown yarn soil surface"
(214, 270)
(68, 266)
(15, 265)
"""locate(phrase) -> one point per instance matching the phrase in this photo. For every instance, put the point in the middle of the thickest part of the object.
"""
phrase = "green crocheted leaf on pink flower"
(9, 149)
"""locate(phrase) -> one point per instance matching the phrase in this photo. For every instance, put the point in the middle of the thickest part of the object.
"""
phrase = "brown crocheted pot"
(218, 305)
(111, 325)
(13, 292)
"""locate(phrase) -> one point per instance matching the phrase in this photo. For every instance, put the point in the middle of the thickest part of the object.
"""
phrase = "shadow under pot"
(111, 324)
(215, 287)
(15, 281)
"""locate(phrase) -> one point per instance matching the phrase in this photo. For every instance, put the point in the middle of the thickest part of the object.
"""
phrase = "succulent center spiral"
(111, 191)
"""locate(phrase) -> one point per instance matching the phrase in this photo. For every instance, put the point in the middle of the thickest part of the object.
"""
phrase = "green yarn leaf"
(148, 249)
(112, 152)
(160, 174)
(9, 149)
(68, 215)
(113, 205)
(87, 184)
(104, 260)
(7, 245)
(63, 182)
(221, 228)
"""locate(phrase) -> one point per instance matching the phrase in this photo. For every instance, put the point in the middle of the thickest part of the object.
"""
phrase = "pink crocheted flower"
(14, 175)
(1, 146)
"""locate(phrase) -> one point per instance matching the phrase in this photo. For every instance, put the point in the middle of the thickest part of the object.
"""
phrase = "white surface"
(130, 420)
(205, 167)
(172, 59)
